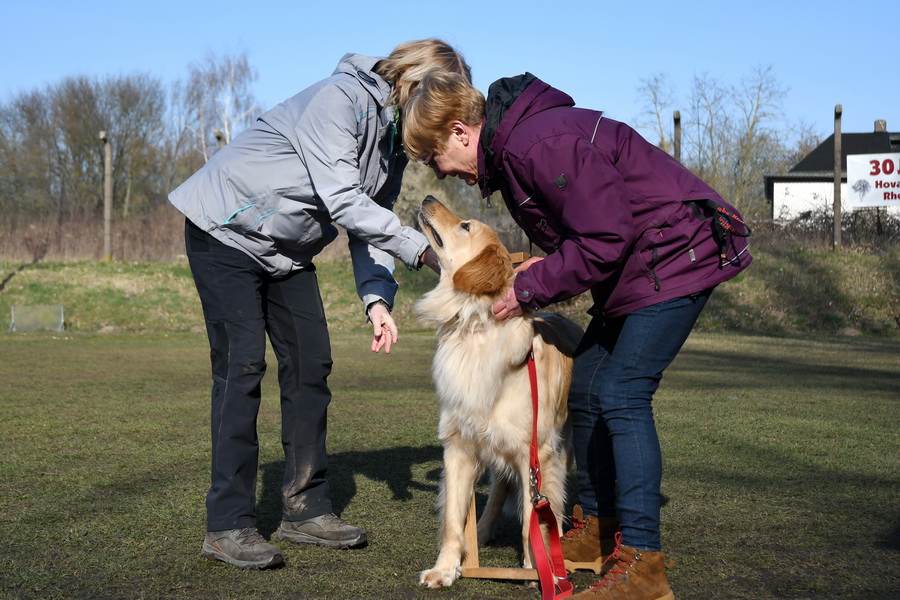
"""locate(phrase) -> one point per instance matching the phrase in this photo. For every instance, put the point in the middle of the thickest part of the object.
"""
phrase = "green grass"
(778, 423)
(781, 471)
(782, 293)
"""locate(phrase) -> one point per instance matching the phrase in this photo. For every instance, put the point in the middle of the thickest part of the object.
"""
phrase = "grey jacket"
(329, 154)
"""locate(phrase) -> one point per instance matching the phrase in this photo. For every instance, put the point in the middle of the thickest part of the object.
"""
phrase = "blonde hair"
(408, 63)
(441, 98)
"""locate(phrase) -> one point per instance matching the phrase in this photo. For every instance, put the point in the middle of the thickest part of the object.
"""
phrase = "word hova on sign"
(873, 180)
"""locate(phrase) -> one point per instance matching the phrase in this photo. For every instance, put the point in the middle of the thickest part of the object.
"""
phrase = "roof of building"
(821, 159)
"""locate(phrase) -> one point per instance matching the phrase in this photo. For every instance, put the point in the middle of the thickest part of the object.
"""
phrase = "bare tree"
(216, 96)
(134, 113)
(659, 99)
(76, 113)
(759, 149)
(733, 134)
(26, 155)
(805, 140)
(708, 130)
(50, 158)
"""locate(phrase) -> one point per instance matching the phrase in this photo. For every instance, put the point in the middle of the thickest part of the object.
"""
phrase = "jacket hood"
(363, 68)
(509, 101)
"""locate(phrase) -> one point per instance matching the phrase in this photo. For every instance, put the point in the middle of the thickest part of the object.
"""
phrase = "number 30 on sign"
(886, 166)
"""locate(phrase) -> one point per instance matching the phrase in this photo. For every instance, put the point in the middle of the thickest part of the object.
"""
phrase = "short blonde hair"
(408, 63)
(441, 98)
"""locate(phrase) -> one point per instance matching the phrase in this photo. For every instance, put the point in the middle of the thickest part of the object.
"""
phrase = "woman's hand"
(507, 306)
(383, 328)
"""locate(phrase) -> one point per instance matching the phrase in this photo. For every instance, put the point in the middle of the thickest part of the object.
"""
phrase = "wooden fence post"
(837, 177)
(107, 197)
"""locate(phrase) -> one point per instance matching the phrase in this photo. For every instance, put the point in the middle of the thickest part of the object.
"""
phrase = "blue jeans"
(618, 367)
(242, 304)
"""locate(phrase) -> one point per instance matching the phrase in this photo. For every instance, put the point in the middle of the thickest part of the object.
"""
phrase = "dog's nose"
(429, 199)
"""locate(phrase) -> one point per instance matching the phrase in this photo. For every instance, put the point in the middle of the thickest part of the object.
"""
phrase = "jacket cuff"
(369, 305)
(525, 291)
(412, 249)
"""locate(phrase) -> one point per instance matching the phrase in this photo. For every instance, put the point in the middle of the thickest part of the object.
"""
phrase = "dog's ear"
(486, 273)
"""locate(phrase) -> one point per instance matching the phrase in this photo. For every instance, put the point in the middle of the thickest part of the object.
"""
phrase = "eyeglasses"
(428, 161)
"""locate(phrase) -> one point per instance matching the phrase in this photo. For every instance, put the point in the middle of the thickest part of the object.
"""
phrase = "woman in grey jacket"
(256, 215)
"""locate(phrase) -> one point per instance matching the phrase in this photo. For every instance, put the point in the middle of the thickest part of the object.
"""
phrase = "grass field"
(779, 424)
(781, 479)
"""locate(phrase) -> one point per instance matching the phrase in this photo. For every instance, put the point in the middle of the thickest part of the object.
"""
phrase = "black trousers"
(242, 303)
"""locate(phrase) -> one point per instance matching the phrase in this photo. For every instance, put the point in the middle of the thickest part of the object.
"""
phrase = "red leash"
(551, 568)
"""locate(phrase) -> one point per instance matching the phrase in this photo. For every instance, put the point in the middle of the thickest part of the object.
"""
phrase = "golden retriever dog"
(481, 375)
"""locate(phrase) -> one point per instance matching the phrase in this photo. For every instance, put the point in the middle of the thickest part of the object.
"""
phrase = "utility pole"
(837, 177)
(107, 197)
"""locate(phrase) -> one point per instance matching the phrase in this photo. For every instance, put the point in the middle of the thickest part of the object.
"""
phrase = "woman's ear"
(487, 273)
(461, 131)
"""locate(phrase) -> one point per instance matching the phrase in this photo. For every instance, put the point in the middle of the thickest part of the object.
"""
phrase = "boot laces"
(331, 520)
(621, 562)
(250, 536)
(578, 527)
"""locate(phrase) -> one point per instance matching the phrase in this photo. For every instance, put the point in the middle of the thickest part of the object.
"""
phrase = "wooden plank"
(500, 573)
(470, 564)
(471, 537)
(518, 257)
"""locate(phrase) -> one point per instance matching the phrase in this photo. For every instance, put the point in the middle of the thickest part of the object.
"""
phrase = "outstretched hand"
(384, 328)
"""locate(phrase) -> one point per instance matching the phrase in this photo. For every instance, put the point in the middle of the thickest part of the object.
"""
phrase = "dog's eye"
(464, 225)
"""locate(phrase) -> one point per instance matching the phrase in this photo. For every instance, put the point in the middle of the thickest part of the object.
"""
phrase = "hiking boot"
(633, 575)
(243, 548)
(326, 530)
(589, 542)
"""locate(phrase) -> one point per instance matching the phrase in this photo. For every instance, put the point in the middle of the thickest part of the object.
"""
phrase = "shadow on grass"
(746, 372)
(392, 466)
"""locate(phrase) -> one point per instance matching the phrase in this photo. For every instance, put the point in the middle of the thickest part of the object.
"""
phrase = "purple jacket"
(615, 214)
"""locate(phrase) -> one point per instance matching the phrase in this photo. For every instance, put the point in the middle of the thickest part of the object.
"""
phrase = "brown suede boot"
(634, 575)
(589, 542)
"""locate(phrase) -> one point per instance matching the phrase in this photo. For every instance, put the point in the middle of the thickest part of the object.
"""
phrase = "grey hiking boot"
(326, 530)
(243, 548)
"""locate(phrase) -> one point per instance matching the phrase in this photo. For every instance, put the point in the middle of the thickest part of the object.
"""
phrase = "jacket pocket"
(666, 252)
(649, 249)
(251, 215)
(288, 224)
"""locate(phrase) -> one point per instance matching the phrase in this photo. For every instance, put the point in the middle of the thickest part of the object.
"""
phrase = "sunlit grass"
(780, 471)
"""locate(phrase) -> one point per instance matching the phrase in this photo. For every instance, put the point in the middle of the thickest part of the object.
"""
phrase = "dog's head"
(469, 251)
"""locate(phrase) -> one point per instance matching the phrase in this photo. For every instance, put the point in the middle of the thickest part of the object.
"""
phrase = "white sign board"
(873, 180)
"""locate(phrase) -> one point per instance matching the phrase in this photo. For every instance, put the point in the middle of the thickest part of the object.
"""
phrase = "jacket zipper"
(653, 270)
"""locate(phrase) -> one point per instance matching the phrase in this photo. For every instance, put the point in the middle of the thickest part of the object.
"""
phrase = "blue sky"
(824, 52)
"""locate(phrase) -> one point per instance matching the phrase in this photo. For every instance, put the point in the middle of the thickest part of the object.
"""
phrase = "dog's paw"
(437, 578)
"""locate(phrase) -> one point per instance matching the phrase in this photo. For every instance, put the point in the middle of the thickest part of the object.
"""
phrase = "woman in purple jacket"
(617, 217)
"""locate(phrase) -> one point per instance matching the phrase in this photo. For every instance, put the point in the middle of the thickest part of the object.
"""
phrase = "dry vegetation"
(797, 285)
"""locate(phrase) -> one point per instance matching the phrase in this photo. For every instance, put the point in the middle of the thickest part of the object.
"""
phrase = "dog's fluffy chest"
(482, 381)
